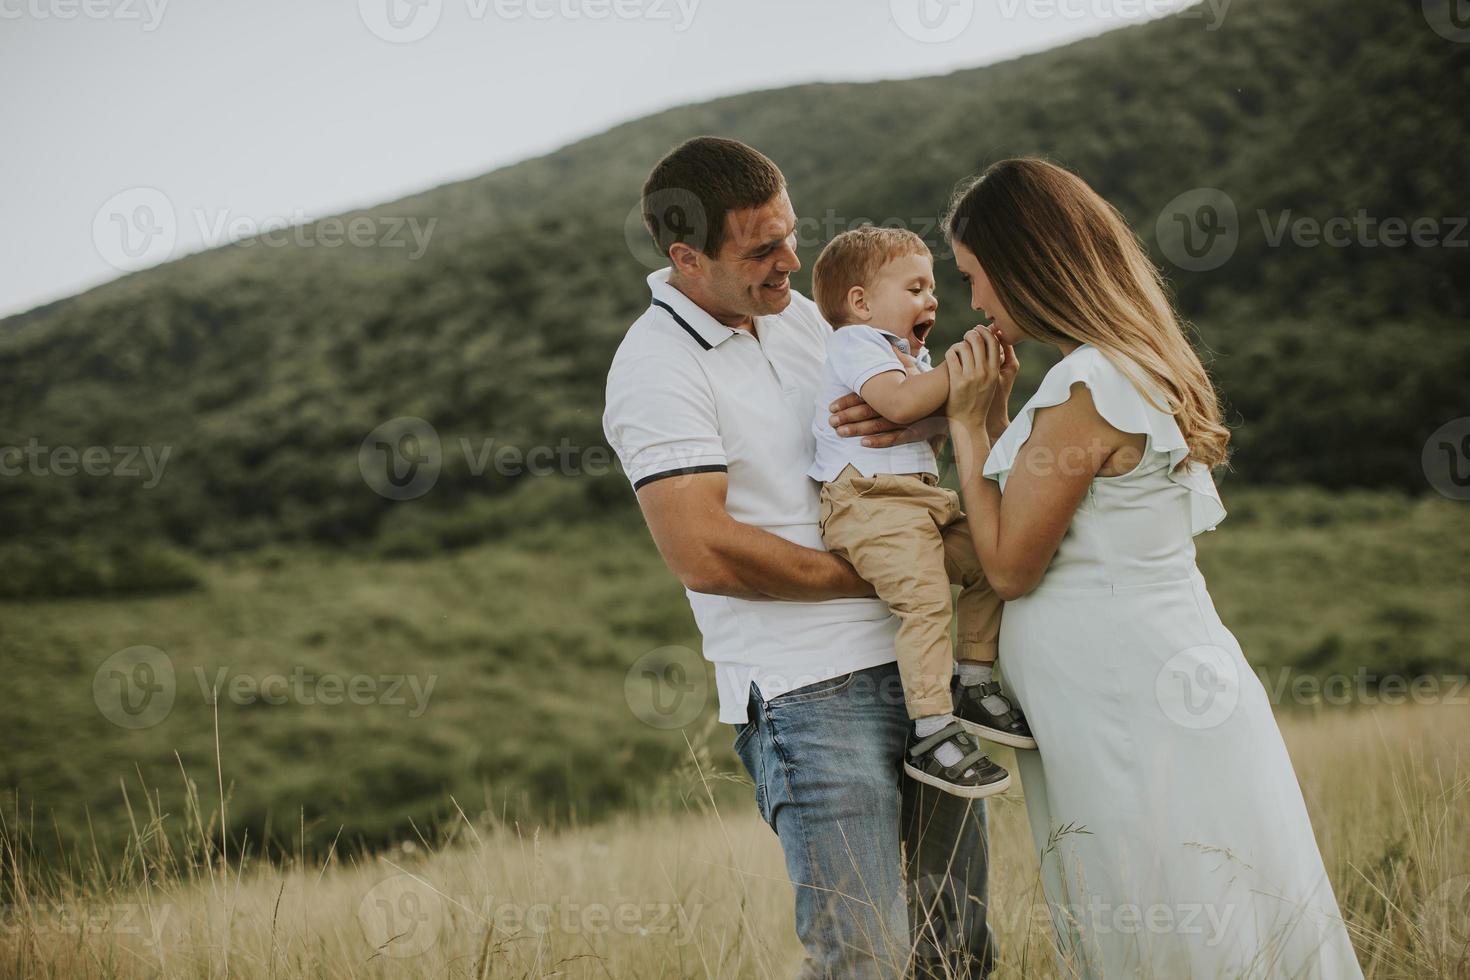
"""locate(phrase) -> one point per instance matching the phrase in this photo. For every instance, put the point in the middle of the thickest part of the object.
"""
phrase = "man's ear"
(686, 259)
(857, 302)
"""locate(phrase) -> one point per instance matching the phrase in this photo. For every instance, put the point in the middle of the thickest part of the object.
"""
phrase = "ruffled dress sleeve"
(1124, 407)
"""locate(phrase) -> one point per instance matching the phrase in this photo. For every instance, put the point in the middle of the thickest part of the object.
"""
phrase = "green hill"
(263, 368)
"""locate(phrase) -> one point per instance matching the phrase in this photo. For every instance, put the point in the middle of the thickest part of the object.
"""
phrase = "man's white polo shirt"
(687, 394)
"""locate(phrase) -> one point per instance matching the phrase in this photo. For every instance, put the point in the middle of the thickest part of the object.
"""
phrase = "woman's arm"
(1016, 534)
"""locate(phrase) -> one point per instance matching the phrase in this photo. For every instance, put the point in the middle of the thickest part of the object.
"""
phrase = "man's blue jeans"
(890, 874)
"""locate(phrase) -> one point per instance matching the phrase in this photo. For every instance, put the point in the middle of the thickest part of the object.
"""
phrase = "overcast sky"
(258, 111)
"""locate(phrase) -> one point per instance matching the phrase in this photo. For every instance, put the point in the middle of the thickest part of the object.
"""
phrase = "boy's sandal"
(974, 776)
(1007, 727)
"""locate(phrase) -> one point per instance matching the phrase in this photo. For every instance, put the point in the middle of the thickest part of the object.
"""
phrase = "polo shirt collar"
(688, 314)
(922, 357)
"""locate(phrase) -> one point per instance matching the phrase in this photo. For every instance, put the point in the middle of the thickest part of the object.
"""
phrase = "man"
(709, 407)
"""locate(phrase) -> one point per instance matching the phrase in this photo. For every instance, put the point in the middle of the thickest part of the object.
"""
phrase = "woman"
(1173, 838)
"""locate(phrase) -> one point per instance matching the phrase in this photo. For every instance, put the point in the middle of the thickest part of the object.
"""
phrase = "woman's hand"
(1010, 366)
(999, 417)
(974, 376)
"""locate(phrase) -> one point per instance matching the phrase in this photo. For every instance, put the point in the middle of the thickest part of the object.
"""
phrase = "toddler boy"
(884, 511)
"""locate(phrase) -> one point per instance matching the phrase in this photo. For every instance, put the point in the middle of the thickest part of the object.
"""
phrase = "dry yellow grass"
(704, 893)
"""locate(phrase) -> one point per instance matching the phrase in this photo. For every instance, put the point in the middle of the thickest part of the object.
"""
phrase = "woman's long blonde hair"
(1067, 267)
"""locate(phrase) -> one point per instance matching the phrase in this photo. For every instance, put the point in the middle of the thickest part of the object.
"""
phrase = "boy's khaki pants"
(907, 536)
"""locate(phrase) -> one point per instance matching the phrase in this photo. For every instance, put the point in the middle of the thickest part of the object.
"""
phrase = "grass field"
(700, 891)
(357, 694)
(332, 703)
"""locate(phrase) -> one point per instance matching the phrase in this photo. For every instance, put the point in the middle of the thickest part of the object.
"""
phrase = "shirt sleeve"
(660, 419)
(857, 354)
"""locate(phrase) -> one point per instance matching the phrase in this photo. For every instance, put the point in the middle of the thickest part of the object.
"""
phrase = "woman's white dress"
(1173, 837)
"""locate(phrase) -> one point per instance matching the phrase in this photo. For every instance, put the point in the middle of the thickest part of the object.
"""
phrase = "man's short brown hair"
(689, 192)
(854, 258)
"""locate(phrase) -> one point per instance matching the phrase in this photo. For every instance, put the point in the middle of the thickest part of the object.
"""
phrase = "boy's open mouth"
(922, 328)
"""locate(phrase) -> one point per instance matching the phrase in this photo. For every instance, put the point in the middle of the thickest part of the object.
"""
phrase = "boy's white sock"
(972, 673)
(948, 753)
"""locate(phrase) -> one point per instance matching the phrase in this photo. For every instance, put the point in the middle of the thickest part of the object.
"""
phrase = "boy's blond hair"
(854, 258)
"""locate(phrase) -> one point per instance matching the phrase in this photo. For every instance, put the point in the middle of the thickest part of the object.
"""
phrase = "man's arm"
(711, 552)
(851, 416)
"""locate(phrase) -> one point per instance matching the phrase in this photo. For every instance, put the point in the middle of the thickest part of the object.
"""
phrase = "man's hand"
(851, 416)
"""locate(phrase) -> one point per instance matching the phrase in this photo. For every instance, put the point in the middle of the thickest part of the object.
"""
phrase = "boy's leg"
(891, 537)
(824, 759)
(978, 607)
(981, 705)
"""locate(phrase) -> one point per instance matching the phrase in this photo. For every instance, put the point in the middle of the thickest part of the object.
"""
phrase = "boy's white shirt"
(856, 354)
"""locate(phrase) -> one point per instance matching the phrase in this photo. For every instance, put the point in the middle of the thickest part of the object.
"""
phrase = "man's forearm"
(757, 564)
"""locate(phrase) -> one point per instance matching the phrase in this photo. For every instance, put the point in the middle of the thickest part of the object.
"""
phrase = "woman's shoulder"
(1111, 389)
(1085, 363)
(1120, 400)
(1114, 397)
